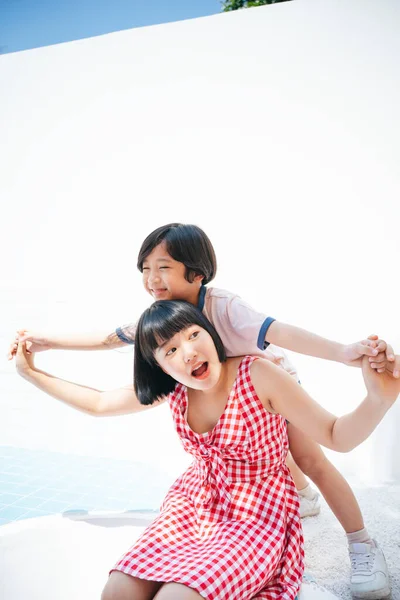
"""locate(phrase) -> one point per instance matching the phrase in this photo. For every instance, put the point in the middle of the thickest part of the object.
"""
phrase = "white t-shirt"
(241, 328)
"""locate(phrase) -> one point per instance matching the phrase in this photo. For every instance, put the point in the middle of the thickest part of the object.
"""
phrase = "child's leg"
(124, 587)
(309, 502)
(176, 591)
(369, 573)
(298, 476)
(332, 485)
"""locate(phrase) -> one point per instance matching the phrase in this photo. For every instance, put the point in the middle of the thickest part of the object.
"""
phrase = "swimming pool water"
(36, 483)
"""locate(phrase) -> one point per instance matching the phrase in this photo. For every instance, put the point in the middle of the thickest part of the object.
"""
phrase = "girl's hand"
(35, 342)
(24, 360)
(382, 385)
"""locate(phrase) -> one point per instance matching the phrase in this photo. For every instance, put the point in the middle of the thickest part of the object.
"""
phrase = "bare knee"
(177, 591)
(117, 587)
(124, 587)
(306, 453)
(313, 466)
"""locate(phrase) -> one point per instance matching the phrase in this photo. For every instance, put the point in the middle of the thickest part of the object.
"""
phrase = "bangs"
(162, 321)
(187, 244)
(157, 325)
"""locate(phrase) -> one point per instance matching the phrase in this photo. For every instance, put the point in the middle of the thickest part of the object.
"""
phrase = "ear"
(198, 278)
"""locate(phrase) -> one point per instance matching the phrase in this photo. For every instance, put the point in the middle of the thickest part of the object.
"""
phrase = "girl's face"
(190, 357)
(164, 277)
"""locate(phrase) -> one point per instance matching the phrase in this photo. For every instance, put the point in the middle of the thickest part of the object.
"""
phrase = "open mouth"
(201, 371)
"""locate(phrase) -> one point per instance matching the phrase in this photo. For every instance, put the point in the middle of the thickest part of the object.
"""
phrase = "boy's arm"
(304, 342)
(38, 342)
(86, 399)
(248, 328)
(281, 394)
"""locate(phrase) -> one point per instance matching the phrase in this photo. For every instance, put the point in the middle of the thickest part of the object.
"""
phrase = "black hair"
(187, 244)
(159, 323)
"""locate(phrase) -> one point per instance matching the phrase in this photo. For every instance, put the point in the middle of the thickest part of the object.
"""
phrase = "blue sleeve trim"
(261, 343)
(202, 297)
(123, 337)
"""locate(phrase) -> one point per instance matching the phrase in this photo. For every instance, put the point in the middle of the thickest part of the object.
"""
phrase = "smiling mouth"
(201, 371)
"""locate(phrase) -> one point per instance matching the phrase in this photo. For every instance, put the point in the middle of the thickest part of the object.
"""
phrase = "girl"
(229, 527)
(176, 262)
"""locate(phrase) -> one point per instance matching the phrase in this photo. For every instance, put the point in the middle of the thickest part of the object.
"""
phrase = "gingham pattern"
(229, 527)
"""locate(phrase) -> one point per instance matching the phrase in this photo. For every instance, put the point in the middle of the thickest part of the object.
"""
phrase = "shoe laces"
(362, 562)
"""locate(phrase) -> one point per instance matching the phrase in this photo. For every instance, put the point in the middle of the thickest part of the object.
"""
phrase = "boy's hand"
(384, 386)
(277, 360)
(378, 351)
(35, 342)
(24, 360)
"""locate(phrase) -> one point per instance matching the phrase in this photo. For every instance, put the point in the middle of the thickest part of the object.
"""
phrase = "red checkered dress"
(230, 526)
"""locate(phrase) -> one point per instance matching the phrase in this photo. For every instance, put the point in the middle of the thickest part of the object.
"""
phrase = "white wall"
(275, 129)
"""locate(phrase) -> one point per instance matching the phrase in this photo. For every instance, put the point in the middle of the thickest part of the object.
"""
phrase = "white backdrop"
(275, 129)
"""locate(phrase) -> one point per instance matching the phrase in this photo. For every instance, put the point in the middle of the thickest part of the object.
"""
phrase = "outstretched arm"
(38, 342)
(302, 341)
(86, 399)
(281, 394)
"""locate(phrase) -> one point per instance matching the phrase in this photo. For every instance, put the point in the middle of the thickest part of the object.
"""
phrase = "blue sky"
(28, 24)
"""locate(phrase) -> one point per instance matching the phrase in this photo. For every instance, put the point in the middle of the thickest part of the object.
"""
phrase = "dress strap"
(244, 368)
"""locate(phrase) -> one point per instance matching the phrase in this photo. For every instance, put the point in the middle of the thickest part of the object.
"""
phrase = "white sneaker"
(369, 573)
(309, 508)
(311, 590)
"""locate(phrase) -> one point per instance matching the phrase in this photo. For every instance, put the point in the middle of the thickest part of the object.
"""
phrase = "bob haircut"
(187, 244)
(158, 324)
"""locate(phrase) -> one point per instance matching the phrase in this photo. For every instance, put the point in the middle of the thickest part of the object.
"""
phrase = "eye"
(170, 352)
(164, 267)
(194, 335)
(145, 269)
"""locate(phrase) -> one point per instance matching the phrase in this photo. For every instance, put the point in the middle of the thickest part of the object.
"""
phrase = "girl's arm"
(279, 393)
(86, 399)
(302, 341)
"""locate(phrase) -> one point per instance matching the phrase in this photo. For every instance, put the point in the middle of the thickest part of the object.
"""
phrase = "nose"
(152, 276)
(189, 354)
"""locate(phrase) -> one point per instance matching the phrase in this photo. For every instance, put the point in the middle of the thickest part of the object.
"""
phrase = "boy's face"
(164, 277)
